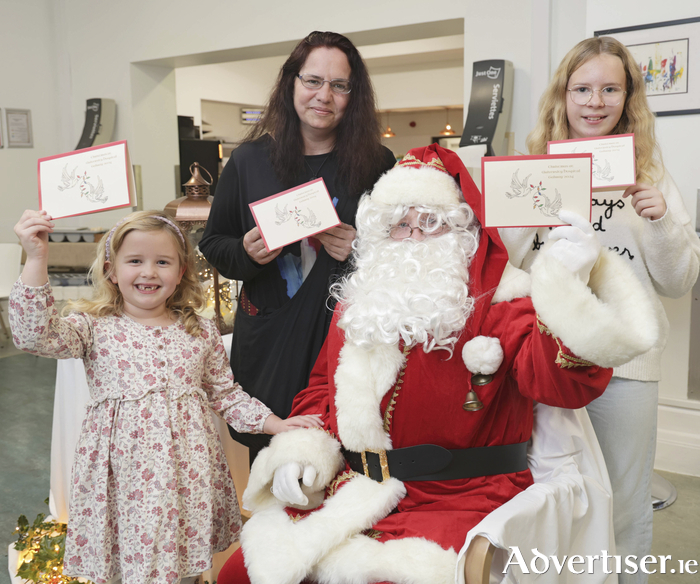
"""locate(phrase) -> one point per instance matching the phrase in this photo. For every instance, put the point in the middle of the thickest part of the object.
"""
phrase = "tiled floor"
(26, 409)
(677, 530)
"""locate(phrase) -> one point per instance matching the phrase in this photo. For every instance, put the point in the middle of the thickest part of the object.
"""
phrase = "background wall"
(57, 54)
(247, 81)
(428, 125)
(28, 80)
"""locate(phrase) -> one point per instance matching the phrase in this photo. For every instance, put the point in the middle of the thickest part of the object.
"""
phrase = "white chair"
(10, 263)
(567, 511)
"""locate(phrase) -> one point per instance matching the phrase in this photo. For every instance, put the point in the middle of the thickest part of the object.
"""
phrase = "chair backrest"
(566, 512)
(10, 264)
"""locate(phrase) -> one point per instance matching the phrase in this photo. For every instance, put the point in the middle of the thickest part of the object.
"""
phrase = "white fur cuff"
(305, 446)
(608, 322)
(411, 560)
(280, 551)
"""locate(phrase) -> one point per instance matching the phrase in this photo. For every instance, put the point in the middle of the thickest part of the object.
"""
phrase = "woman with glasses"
(320, 122)
(598, 90)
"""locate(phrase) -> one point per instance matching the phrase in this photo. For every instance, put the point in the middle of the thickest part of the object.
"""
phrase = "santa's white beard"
(409, 290)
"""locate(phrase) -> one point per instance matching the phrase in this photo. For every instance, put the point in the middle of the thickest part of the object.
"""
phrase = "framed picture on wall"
(19, 128)
(668, 54)
(1, 141)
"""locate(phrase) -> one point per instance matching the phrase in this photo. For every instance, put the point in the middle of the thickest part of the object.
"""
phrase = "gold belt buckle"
(383, 463)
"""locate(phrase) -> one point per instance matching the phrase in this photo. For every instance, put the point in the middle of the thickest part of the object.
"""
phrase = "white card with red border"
(530, 191)
(86, 181)
(613, 158)
(294, 214)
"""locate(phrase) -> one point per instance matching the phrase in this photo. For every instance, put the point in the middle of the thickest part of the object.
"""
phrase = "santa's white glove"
(285, 484)
(575, 245)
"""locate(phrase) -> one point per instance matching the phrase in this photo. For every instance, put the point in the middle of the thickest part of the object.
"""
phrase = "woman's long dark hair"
(357, 145)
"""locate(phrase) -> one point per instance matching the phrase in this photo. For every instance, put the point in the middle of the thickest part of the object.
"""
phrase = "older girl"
(598, 90)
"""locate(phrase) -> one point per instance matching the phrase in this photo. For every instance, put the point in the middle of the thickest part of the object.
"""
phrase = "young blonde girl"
(598, 90)
(152, 498)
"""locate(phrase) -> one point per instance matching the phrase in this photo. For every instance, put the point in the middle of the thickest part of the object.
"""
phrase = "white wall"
(568, 27)
(423, 88)
(678, 447)
(501, 29)
(248, 81)
(27, 81)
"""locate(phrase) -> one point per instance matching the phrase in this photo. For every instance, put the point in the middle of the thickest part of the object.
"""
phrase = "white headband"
(159, 217)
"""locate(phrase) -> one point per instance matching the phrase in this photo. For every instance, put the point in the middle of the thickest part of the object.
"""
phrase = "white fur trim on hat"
(483, 355)
(416, 186)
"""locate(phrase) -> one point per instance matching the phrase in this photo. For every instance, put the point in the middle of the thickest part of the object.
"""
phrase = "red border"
(608, 137)
(253, 205)
(128, 176)
(486, 159)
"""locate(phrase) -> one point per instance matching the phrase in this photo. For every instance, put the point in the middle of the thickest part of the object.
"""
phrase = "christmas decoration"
(41, 546)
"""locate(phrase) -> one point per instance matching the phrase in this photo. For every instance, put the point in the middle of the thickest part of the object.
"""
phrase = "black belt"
(428, 462)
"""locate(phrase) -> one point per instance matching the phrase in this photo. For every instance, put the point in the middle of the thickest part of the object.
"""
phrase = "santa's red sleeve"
(563, 341)
(542, 366)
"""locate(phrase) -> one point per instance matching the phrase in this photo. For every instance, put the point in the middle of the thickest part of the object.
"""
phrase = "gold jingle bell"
(481, 379)
(473, 403)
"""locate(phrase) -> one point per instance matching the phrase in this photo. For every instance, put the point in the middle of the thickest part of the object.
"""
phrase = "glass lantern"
(192, 212)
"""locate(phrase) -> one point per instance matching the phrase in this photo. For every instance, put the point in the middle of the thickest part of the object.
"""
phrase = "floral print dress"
(152, 498)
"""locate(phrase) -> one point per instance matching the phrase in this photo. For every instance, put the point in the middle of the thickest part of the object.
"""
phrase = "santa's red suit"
(356, 529)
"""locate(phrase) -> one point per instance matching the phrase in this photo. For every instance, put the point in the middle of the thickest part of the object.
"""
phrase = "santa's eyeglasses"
(429, 225)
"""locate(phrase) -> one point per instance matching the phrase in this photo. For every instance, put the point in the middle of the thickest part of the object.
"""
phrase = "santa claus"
(426, 385)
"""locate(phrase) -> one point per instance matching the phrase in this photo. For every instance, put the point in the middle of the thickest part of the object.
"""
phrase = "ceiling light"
(448, 131)
(388, 133)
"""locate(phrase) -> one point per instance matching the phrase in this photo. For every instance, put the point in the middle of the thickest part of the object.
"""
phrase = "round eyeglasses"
(429, 226)
(315, 82)
(610, 96)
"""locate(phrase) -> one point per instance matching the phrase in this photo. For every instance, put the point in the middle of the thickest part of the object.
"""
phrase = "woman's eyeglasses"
(610, 96)
(316, 82)
(429, 225)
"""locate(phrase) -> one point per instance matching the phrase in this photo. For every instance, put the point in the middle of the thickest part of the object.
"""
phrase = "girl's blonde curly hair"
(637, 118)
(107, 300)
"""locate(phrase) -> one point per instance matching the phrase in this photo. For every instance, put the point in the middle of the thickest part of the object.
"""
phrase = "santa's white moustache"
(415, 291)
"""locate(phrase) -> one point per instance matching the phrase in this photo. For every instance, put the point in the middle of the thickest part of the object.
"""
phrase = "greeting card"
(530, 191)
(86, 181)
(294, 214)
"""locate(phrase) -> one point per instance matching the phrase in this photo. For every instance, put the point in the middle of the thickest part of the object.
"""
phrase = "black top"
(272, 353)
